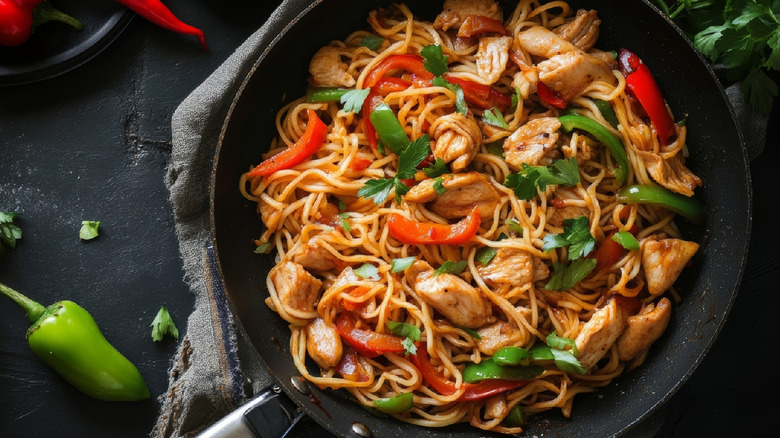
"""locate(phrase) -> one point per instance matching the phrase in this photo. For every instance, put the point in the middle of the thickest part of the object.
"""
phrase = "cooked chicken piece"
(568, 212)
(323, 343)
(643, 329)
(497, 336)
(513, 267)
(672, 173)
(542, 42)
(492, 55)
(526, 79)
(568, 74)
(455, 11)
(531, 142)
(452, 296)
(583, 31)
(457, 140)
(312, 256)
(463, 192)
(268, 214)
(663, 261)
(327, 70)
(496, 407)
(295, 287)
(599, 334)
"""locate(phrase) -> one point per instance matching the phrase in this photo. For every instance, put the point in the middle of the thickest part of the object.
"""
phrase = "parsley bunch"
(9, 232)
(525, 182)
(408, 160)
(743, 35)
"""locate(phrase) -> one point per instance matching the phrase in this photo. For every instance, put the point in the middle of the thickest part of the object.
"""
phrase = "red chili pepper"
(413, 232)
(480, 95)
(349, 367)
(473, 391)
(366, 342)
(410, 63)
(479, 24)
(610, 251)
(302, 150)
(549, 96)
(18, 19)
(640, 81)
(157, 13)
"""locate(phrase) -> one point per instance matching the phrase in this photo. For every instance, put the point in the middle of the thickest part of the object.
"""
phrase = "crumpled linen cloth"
(216, 369)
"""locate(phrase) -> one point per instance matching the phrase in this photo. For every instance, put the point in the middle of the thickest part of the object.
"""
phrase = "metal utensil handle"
(269, 414)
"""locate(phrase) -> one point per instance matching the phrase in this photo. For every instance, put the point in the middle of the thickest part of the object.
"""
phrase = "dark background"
(94, 143)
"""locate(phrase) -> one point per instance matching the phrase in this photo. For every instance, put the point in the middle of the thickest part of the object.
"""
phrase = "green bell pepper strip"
(390, 131)
(512, 356)
(607, 112)
(395, 405)
(489, 369)
(515, 418)
(570, 122)
(66, 337)
(659, 196)
(327, 94)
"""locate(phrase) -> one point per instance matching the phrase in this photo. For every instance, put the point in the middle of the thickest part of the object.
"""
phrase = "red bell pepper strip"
(157, 13)
(419, 233)
(389, 84)
(409, 62)
(480, 95)
(473, 391)
(610, 251)
(641, 82)
(366, 342)
(549, 96)
(479, 24)
(302, 150)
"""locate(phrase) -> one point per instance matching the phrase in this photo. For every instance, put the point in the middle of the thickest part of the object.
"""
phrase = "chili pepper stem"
(34, 310)
(45, 13)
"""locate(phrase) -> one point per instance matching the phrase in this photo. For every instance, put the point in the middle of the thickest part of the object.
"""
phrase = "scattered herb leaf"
(400, 265)
(494, 117)
(526, 181)
(9, 232)
(450, 267)
(438, 185)
(576, 234)
(566, 277)
(263, 248)
(89, 230)
(344, 222)
(434, 60)
(163, 325)
(372, 42)
(438, 168)
(353, 99)
(367, 271)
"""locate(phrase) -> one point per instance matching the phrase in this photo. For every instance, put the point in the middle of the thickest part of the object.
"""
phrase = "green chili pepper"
(606, 110)
(570, 122)
(328, 94)
(511, 356)
(66, 337)
(690, 208)
(515, 418)
(390, 131)
(395, 405)
(489, 369)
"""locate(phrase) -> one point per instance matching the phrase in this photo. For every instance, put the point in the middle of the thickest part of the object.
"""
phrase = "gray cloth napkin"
(205, 380)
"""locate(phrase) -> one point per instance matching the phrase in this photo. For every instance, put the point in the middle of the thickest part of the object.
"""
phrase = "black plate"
(708, 287)
(55, 48)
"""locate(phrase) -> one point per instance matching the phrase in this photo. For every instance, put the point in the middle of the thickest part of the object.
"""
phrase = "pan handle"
(269, 414)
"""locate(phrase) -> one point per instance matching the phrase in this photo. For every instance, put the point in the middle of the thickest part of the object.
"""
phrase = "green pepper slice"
(690, 208)
(395, 405)
(390, 131)
(326, 94)
(606, 110)
(570, 122)
(489, 369)
(512, 356)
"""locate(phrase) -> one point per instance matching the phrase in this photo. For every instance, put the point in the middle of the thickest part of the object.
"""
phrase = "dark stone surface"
(93, 144)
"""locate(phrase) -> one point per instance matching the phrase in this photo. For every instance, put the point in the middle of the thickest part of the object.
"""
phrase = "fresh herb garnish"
(460, 97)
(450, 267)
(410, 332)
(434, 60)
(438, 186)
(486, 254)
(438, 168)
(626, 240)
(513, 225)
(555, 350)
(496, 148)
(408, 160)
(566, 277)
(263, 248)
(576, 234)
(89, 230)
(473, 333)
(526, 181)
(371, 41)
(163, 325)
(367, 271)
(344, 222)
(9, 232)
(400, 265)
(494, 117)
(353, 99)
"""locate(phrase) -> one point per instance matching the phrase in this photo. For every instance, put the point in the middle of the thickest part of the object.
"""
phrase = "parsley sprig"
(436, 62)
(411, 333)
(525, 182)
(9, 232)
(556, 350)
(408, 160)
(743, 35)
(576, 235)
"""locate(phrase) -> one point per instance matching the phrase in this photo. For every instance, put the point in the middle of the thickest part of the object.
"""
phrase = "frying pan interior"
(707, 287)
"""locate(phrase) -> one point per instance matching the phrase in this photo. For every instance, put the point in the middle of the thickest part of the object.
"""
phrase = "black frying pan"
(708, 287)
